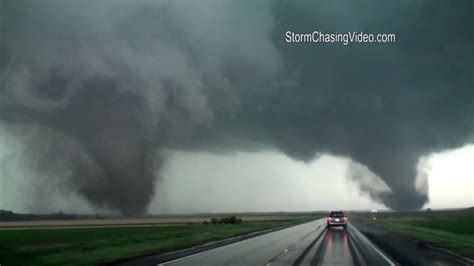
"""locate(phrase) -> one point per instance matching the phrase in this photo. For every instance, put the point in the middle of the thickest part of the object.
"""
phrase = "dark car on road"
(337, 218)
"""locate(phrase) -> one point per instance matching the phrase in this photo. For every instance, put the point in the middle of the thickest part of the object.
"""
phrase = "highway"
(306, 244)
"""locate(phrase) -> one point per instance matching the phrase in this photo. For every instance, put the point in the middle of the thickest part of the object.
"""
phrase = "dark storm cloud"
(129, 78)
(124, 80)
(384, 105)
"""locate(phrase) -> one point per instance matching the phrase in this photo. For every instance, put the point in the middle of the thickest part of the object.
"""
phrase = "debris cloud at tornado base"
(113, 84)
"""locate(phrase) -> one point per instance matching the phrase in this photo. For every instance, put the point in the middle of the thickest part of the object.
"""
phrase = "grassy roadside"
(85, 246)
(449, 229)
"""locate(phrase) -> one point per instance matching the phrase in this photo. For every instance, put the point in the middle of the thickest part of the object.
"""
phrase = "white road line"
(186, 257)
(391, 263)
(355, 243)
(203, 252)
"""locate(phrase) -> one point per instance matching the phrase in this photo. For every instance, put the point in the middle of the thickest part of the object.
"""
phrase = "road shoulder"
(409, 250)
(153, 259)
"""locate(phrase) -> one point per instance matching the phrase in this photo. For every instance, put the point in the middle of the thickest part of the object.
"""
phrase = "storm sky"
(107, 101)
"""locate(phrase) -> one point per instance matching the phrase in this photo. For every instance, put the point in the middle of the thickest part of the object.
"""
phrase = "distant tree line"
(225, 220)
(7, 215)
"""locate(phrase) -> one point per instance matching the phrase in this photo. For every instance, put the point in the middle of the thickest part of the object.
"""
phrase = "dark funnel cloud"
(383, 105)
(126, 79)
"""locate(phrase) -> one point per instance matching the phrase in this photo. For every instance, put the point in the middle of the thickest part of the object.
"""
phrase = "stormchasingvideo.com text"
(343, 38)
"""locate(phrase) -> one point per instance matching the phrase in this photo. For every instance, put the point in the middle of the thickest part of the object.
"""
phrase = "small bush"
(229, 220)
(235, 220)
(223, 220)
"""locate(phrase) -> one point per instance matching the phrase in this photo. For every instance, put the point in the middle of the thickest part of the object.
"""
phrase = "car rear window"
(336, 214)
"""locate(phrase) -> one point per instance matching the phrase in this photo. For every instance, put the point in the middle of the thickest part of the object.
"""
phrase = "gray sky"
(271, 181)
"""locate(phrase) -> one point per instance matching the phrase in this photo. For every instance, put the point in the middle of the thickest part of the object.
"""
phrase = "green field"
(450, 229)
(85, 246)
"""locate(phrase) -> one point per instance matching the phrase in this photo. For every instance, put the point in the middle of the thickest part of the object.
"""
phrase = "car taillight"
(345, 218)
(328, 218)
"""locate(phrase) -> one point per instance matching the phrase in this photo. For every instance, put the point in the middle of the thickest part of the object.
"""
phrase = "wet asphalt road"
(306, 244)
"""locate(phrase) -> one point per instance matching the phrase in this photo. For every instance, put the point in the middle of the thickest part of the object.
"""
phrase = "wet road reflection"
(305, 244)
(336, 250)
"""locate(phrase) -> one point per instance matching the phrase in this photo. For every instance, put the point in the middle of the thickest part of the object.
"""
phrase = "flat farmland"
(150, 221)
(90, 242)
